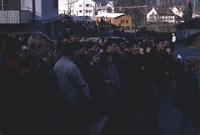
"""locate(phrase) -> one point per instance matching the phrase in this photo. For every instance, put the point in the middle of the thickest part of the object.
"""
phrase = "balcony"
(14, 16)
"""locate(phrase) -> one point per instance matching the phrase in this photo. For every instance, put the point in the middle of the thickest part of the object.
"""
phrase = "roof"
(189, 24)
(102, 7)
(164, 11)
(110, 15)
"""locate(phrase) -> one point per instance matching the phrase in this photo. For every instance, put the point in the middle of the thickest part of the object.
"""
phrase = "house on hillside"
(117, 19)
(187, 28)
(160, 15)
(26, 16)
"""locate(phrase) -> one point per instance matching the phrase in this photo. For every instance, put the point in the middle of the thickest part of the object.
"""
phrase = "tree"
(187, 13)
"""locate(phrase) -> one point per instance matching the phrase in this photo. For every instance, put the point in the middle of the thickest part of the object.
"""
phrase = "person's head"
(134, 46)
(68, 49)
(141, 50)
(122, 46)
(105, 58)
(192, 63)
(40, 43)
(83, 39)
(81, 49)
(50, 53)
(159, 42)
(29, 60)
(169, 50)
(148, 49)
(72, 38)
(92, 56)
(111, 45)
(101, 40)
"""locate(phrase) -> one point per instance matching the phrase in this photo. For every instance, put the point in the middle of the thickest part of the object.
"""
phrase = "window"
(88, 11)
(88, 5)
(9, 4)
(80, 5)
(122, 21)
(126, 21)
(80, 11)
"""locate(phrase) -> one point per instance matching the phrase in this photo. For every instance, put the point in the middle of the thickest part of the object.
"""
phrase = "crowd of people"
(71, 86)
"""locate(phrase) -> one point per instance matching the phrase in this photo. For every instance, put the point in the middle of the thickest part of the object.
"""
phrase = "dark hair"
(25, 56)
(133, 42)
(89, 45)
(68, 49)
(158, 40)
(90, 54)
(79, 45)
(103, 58)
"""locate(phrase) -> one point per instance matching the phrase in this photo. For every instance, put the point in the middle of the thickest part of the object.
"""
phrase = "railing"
(14, 16)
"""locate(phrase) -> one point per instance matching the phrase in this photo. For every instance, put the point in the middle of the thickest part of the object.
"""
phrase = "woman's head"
(92, 56)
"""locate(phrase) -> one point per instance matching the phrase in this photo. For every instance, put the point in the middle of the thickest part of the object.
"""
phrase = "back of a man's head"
(68, 49)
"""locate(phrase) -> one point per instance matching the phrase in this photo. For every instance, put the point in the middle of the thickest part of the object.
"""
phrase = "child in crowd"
(186, 95)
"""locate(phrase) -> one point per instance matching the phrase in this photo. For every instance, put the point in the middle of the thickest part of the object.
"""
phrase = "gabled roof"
(193, 23)
(164, 11)
(110, 15)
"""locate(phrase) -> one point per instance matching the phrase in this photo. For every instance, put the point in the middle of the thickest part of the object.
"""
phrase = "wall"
(117, 21)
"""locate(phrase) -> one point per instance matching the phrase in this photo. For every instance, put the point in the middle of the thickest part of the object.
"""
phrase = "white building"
(160, 15)
(83, 10)
(30, 16)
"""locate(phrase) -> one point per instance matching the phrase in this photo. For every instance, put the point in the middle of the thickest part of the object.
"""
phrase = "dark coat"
(186, 92)
(48, 85)
(158, 64)
(97, 106)
(179, 68)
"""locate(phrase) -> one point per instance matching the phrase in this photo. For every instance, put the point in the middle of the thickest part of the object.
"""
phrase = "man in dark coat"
(186, 95)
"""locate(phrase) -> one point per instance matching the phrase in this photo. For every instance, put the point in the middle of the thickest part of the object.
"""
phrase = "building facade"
(117, 19)
(30, 16)
(83, 10)
(160, 15)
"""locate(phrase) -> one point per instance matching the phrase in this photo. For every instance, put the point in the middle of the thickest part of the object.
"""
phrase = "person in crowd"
(173, 41)
(73, 90)
(11, 66)
(109, 77)
(179, 67)
(170, 65)
(159, 74)
(79, 57)
(141, 51)
(186, 95)
(72, 39)
(25, 106)
(49, 58)
(136, 85)
(95, 108)
(148, 50)
(48, 85)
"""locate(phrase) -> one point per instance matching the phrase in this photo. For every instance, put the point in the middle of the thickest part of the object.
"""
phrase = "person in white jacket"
(173, 41)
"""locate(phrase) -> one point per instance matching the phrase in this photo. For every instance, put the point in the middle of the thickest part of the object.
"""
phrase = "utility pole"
(136, 18)
(194, 9)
